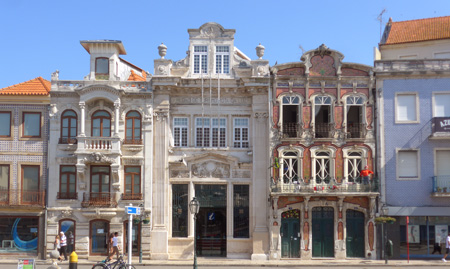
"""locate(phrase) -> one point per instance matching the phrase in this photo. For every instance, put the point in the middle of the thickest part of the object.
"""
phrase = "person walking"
(71, 242)
(447, 247)
(63, 243)
(115, 246)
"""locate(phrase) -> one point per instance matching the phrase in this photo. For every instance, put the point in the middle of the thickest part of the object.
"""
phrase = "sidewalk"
(250, 263)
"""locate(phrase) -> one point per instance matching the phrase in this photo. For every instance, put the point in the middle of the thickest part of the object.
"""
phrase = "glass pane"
(241, 211)
(179, 210)
(101, 114)
(4, 175)
(19, 236)
(73, 132)
(30, 178)
(128, 179)
(5, 122)
(32, 124)
(406, 107)
(101, 66)
(95, 179)
(133, 114)
(68, 168)
(99, 236)
(132, 169)
(72, 179)
(65, 122)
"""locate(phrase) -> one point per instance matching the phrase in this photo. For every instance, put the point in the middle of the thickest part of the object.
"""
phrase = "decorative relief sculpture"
(210, 169)
(66, 213)
(179, 174)
(97, 157)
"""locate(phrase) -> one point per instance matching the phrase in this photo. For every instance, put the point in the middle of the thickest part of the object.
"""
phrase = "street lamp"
(385, 211)
(194, 207)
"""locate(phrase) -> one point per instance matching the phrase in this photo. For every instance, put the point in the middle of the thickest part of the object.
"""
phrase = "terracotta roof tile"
(135, 77)
(418, 30)
(37, 86)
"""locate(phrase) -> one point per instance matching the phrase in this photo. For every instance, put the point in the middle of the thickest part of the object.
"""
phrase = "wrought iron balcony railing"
(15, 197)
(132, 141)
(66, 140)
(325, 186)
(67, 195)
(99, 199)
(356, 130)
(291, 130)
(441, 185)
(131, 196)
(323, 130)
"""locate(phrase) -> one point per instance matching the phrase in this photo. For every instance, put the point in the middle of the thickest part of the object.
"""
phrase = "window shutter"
(406, 107)
(408, 164)
(442, 105)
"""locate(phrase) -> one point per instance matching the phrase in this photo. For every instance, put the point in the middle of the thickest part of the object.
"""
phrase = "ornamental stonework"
(210, 169)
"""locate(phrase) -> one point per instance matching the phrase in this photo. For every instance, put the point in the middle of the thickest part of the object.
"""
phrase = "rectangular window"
(4, 184)
(241, 214)
(30, 184)
(200, 59)
(180, 210)
(31, 124)
(5, 122)
(67, 182)
(406, 108)
(241, 133)
(210, 132)
(442, 105)
(442, 55)
(222, 59)
(132, 183)
(102, 66)
(180, 132)
(408, 164)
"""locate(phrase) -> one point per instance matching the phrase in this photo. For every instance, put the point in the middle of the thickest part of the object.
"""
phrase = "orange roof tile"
(135, 77)
(418, 30)
(37, 86)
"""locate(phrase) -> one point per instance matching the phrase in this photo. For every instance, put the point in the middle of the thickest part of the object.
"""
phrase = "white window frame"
(397, 120)
(347, 107)
(202, 55)
(398, 150)
(346, 154)
(314, 104)
(332, 156)
(435, 150)
(291, 102)
(441, 52)
(180, 128)
(433, 102)
(212, 126)
(241, 142)
(221, 61)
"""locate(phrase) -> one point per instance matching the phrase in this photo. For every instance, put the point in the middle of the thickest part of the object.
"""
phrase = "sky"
(39, 37)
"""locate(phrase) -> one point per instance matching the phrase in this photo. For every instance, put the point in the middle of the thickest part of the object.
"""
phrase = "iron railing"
(99, 199)
(67, 195)
(323, 130)
(132, 141)
(16, 197)
(441, 184)
(357, 130)
(325, 186)
(291, 130)
(66, 140)
(131, 196)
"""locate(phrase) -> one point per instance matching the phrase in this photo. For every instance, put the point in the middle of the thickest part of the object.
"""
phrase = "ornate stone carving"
(97, 157)
(53, 111)
(67, 213)
(132, 161)
(160, 115)
(162, 50)
(55, 75)
(80, 170)
(179, 173)
(211, 169)
(260, 51)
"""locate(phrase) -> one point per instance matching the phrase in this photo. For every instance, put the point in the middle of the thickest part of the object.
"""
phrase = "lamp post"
(385, 213)
(194, 207)
(140, 232)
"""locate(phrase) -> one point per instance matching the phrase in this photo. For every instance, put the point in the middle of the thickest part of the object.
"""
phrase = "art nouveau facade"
(210, 142)
(100, 151)
(323, 134)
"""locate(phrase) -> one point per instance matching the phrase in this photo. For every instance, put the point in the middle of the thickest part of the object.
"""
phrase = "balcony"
(323, 130)
(441, 186)
(99, 199)
(131, 196)
(67, 195)
(89, 144)
(356, 130)
(132, 141)
(291, 130)
(440, 128)
(325, 187)
(22, 198)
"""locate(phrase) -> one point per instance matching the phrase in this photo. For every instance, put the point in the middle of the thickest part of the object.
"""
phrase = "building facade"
(100, 153)
(413, 85)
(210, 142)
(322, 137)
(23, 168)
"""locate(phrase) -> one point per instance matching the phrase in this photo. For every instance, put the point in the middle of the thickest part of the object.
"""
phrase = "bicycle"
(107, 264)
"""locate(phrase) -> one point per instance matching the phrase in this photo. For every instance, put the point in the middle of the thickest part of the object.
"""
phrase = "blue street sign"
(211, 216)
(133, 210)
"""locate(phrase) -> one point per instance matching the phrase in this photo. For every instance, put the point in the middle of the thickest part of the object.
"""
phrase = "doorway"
(290, 234)
(322, 232)
(355, 234)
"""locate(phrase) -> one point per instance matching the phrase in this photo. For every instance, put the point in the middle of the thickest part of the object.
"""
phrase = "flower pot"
(136, 221)
(146, 221)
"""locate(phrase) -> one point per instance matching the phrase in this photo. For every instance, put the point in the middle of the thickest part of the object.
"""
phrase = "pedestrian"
(71, 242)
(57, 243)
(365, 174)
(447, 246)
(63, 243)
(115, 246)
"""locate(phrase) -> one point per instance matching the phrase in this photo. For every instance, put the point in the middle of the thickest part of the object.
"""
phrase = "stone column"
(116, 118)
(82, 119)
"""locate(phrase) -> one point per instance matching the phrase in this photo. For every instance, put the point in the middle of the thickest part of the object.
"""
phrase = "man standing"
(365, 174)
(63, 243)
(447, 247)
(115, 246)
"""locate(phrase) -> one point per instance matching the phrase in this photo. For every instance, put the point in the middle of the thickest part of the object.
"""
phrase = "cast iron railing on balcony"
(356, 130)
(65, 140)
(441, 185)
(325, 186)
(99, 199)
(131, 196)
(67, 195)
(291, 129)
(132, 141)
(323, 130)
(22, 198)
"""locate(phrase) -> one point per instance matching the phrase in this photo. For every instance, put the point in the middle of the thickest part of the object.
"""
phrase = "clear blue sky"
(39, 37)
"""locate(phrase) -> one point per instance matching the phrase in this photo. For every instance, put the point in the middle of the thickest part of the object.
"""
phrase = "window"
(179, 210)
(31, 124)
(19, 235)
(290, 167)
(210, 133)
(30, 184)
(98, 237)
(354, 117)
(406, 108)
(4, 184)
(241, 133)
(180, 132)
(135, 237)
(133, 128)
(441, 104)
(68, 127)
(132, 183)
(408, 164)
(68, 227)
(322, 167)
(101, 124)
(200, 59)
(322, 116)
(241, 214)
(353, 166)
(67, 182)
(442, 55)
(102, 66)
(99, 181)
(222, 59)
(291, 116)
(5, 122)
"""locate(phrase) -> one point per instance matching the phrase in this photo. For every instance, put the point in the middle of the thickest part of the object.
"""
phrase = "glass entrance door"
(323, 232)
(211, 220)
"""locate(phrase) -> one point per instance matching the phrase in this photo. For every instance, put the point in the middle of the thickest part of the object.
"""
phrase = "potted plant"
(146, 220)
(136, 221)
(389, 220)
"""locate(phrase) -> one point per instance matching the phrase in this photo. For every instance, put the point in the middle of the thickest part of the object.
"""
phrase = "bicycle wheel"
(126, 266)
(99, 266)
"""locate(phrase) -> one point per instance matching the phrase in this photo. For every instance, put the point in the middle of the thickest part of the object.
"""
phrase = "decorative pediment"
(211, 165)
(99, 91)
(211, 30)
(97, 157)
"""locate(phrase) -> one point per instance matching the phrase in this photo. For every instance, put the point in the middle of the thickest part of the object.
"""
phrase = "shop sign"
(441, 124)
(25, 264)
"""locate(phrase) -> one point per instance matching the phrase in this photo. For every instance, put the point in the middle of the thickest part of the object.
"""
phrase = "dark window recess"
(180, 210)
(241, 211)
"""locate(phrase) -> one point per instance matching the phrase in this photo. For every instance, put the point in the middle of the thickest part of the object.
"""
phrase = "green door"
(290, 234)
(355, 234)
(323, 232)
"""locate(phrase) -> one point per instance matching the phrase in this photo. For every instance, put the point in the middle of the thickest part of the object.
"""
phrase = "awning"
(419, 211)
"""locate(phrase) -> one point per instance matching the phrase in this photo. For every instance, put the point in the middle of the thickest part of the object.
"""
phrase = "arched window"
(322, 165)
(290, 167)
(98, 235)
(68, 227)
(133, 128)
(290, 115)
(354, 117)
(353, 166)
(101, 124)
(68, 127)
(323, 116)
